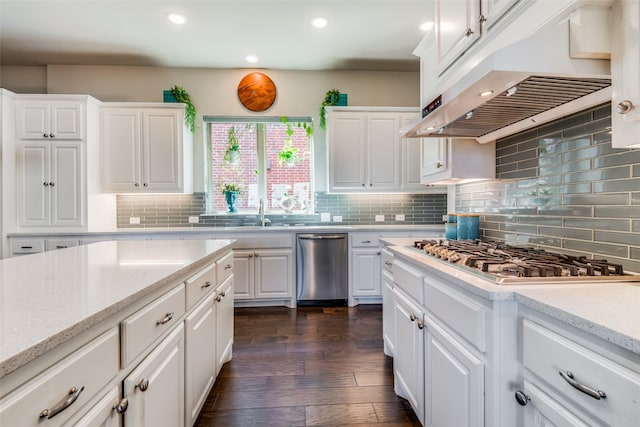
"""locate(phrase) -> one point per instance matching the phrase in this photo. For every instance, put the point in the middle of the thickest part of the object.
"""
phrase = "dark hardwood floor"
(307, 367)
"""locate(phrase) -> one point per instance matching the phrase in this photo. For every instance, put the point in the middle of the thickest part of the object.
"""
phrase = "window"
(270, 159)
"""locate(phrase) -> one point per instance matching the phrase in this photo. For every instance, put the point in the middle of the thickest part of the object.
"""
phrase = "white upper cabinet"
(493, 10)
(145, 150)
(457, 26)
(50, 119)
(625, 69)
(367, 154)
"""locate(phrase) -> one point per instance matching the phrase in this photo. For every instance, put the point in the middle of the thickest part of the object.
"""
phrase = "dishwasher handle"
(321, 236)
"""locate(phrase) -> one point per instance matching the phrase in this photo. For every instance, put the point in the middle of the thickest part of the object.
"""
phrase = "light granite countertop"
(51, 297)
(606, 310)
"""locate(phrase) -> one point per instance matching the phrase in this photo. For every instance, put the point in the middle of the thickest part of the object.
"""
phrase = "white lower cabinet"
(263, 274)
(454, 381)
(200, 357)
(388, 307)
(544, 411)
(408, 363)
(366, 272)
(155, 389)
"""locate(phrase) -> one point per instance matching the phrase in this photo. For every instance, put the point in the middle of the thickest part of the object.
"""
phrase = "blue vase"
(231, 197)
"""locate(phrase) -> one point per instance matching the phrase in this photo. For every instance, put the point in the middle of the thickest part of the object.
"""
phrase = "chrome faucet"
(263, 221)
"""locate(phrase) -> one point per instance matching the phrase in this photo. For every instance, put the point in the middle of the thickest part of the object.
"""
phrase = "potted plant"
(288, 155)
(332, 97)
(232, 153)
(183, 96)
(231, 192)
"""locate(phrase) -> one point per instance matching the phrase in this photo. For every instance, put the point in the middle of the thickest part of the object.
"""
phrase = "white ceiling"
(361, 34)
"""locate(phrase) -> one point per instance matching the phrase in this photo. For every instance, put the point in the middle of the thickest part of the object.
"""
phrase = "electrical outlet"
(194, 219)
(325, 217)
(134, 220)
(399, 217)
(379, 218)
(337, 218)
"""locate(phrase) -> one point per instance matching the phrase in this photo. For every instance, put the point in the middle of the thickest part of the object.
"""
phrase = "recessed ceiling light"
(319, 22)
(176, 18)
(486, 93)
(251, 58)
(426, 26)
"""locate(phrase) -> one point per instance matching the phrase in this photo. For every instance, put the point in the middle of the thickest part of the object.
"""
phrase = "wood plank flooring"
(309, 366)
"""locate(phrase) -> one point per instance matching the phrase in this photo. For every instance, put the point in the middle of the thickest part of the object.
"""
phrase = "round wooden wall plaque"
(257, 92)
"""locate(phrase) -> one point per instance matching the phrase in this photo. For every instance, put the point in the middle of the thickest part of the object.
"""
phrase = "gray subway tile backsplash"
(583, 197)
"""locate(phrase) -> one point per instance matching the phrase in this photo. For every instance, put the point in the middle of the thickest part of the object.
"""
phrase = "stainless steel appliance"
(505, 264)
(322, 269)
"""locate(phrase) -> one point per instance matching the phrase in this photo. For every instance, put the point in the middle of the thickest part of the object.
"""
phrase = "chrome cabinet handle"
(420, 324)
(122, 406)
(206, 285)
(522, 398)
(73, 395)
(388, 263)
(468, 32)
(61, 247)
(412, 317)
(624, 107)
(365, 241)
(164, 320)
(228, 266)
(596, 394)
(26, 247)
(143, 385)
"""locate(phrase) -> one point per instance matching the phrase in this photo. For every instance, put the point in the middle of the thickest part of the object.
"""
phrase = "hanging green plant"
(232, 153)
(183, 96)
(330, 98)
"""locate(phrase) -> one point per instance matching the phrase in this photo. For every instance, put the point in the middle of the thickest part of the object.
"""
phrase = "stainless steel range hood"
(515, 88)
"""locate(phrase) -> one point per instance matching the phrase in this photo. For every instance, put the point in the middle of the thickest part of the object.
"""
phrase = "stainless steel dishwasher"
(322, 269)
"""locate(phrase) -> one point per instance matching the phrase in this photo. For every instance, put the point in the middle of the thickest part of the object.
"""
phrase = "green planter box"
(168, 96)
(342, 100)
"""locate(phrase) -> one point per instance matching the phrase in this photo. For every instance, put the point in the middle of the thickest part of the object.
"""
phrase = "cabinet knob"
(363, 184)
(439, 165)
(73, 395)
(412, 317)
(206, 285)
(136, 184)
(370, 184)
(522, 398)
(482, 19)
(143, 385)
(145, 185)
(51, 135)
(420, 324)
(45, 135)
(468, 32)
(52, 184)
(219, 298)
(122, 406)
(46, 184)
(250, 255)
(624, 107)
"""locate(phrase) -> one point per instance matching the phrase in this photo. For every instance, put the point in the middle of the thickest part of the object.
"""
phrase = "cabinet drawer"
(224, 267)
(89, 369)
(199, 285)
(27, 246)
(461, 313)
(387, 260)
(53, 244)
(546, 354)
(143, 327)
(365, 240)
(409, 279)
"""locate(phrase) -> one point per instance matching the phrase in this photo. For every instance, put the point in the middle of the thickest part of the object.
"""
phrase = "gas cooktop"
(506, 264)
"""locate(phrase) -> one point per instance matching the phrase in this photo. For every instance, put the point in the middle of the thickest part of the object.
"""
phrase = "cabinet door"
(103, 414)
(346, 148)
(457, 28)
(34, 192)
(411, 149)
(200, 357)
(67, 184)
(366, 272)
(162, 151)
(273, 278)
(121, 139)
(33, 119)
(433, 156)
(224, 322)
(625, 68)
(408, 362)
(244, 274)
(388, 307)
(155, 389)
(67, 120)
(494, 10)
(454, 392)
(383, 150)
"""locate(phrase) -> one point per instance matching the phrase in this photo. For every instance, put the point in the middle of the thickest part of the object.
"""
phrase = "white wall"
(214, 92)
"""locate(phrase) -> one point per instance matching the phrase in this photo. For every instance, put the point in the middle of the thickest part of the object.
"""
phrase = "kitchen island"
(105, 310)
